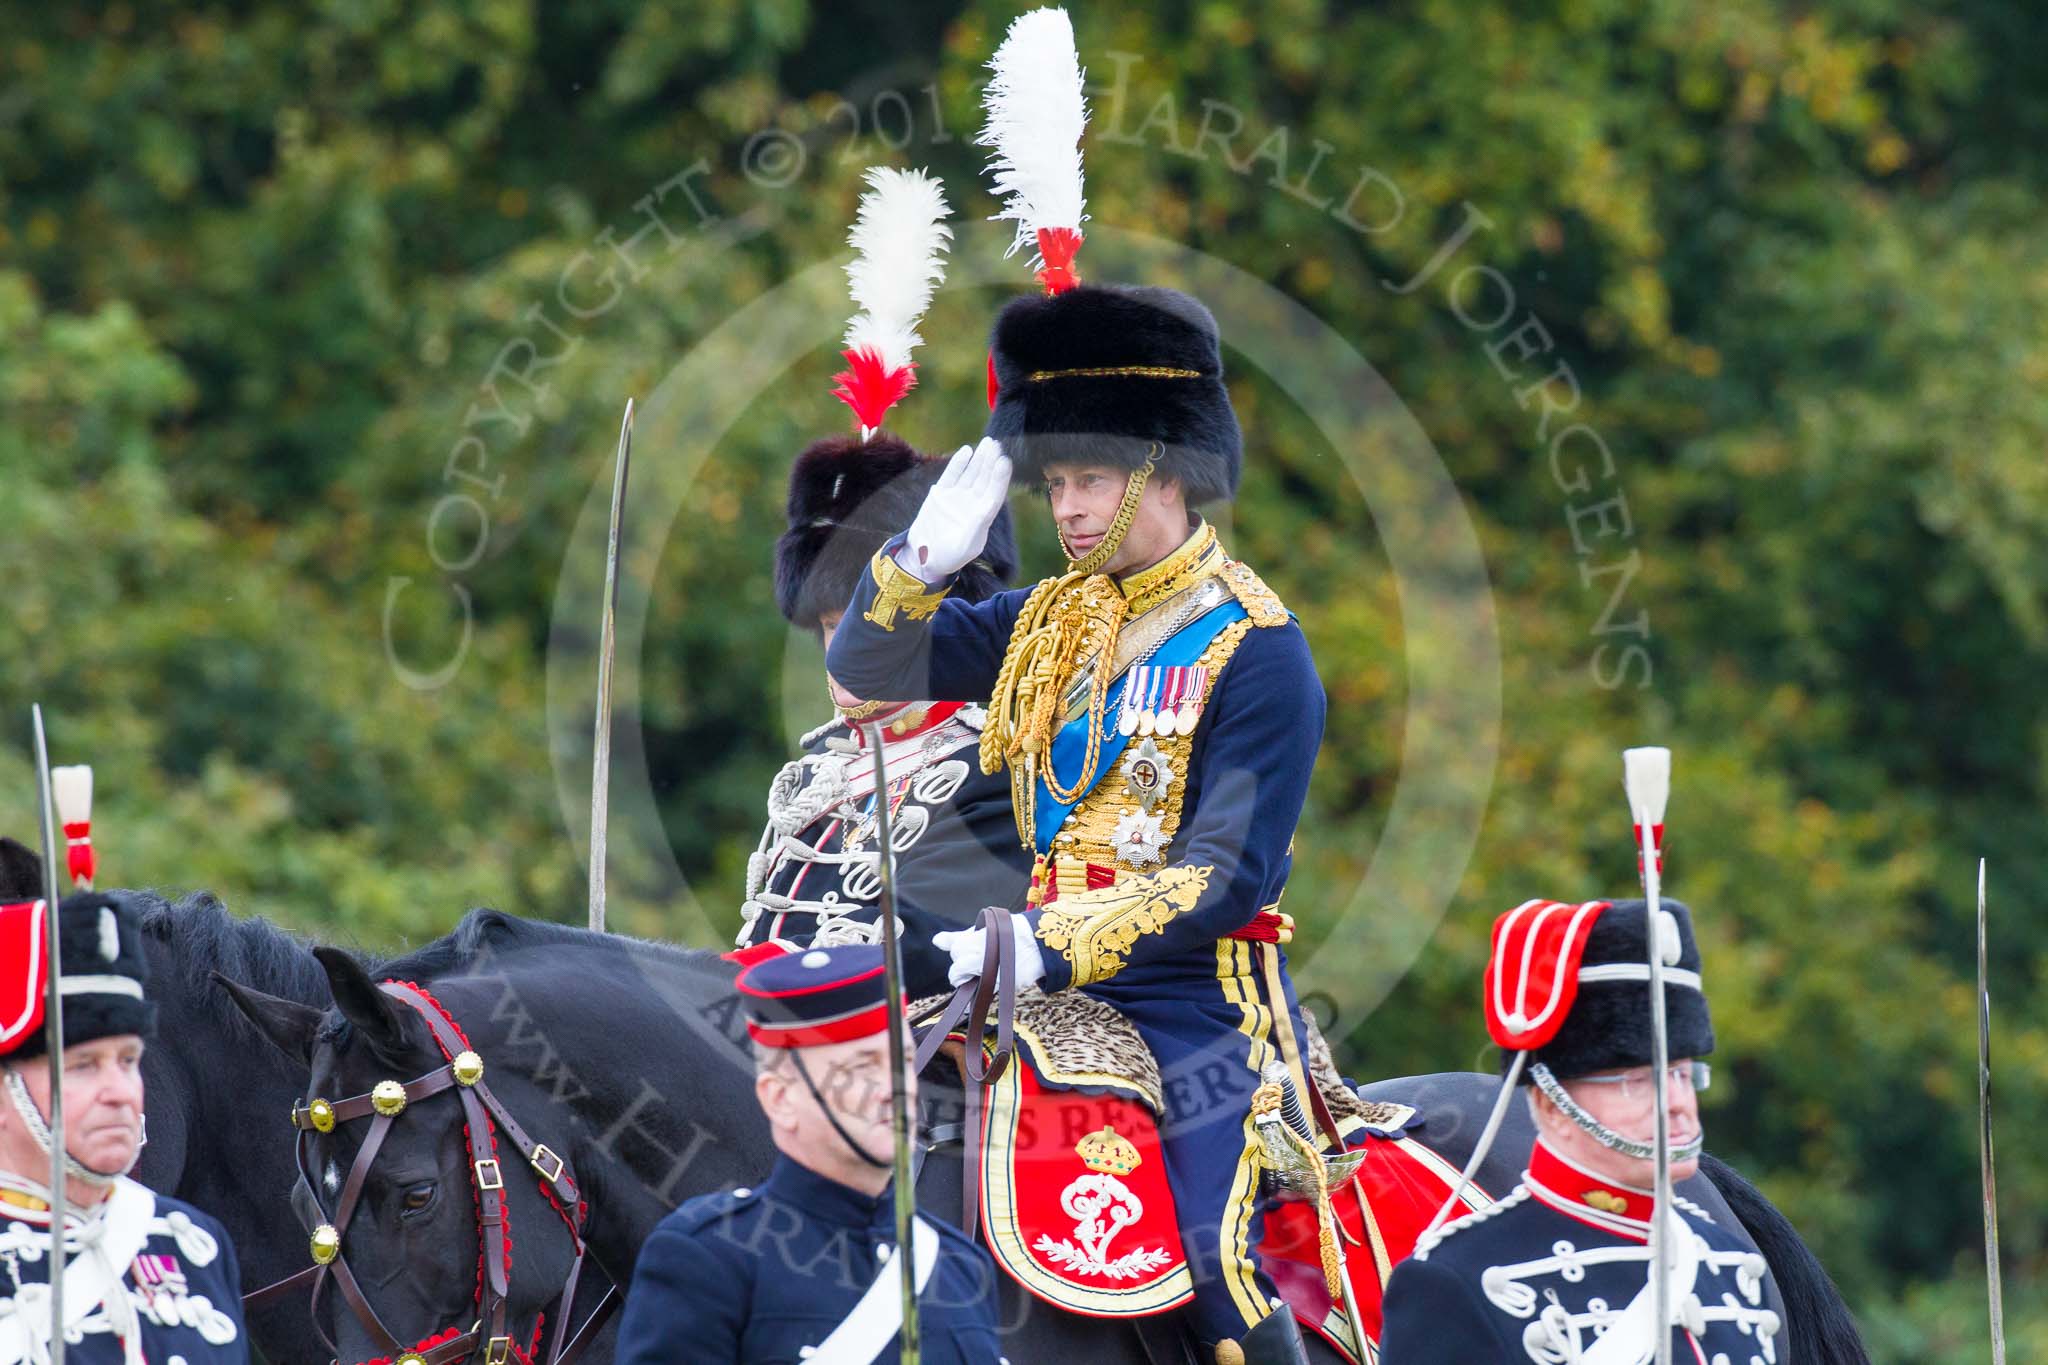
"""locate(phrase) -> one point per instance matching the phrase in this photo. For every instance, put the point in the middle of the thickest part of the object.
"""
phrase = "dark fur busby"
(1608, 1028)
(104, 968)
(1097, 373)
(21, 872)
(847, 497)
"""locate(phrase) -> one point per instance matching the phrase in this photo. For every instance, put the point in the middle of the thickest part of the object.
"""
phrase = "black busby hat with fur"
(1111, 374)
(102, 980)
(847, 497)
(1608, 1028)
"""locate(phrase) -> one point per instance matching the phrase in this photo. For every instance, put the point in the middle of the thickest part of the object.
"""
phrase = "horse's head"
(418, 1154)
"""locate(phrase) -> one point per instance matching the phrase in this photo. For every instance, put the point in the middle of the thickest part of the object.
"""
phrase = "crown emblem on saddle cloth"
(1108, 1151)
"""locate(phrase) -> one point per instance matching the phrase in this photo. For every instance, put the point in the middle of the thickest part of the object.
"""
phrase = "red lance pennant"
(1656, 842)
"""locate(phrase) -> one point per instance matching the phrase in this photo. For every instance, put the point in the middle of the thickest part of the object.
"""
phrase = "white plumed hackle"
(1646, 775)
(899, 240)
(72, 789)
(1036, 115)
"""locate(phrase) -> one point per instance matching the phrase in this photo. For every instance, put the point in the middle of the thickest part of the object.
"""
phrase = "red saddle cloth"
(1076, 1208)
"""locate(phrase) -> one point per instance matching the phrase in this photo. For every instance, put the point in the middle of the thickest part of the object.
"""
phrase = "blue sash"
(1070, 746)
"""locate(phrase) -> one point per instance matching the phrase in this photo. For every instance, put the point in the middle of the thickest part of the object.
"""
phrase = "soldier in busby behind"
(803, 1267)
(1155, 706)
(815, 876)
(1558, 1270)
(148, 1278)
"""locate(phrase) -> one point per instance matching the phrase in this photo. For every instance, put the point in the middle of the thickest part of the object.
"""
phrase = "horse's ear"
(21, 872)
(361, 1003)
(288, 1025)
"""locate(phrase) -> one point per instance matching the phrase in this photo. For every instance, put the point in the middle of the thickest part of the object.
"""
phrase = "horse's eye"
(418, 1198)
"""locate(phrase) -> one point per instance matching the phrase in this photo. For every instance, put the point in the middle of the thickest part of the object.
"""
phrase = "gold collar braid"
(1197, 555)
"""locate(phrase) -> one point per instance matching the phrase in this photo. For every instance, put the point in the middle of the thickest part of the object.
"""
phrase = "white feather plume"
(1036, 115)
(899, 239)
(71, 789)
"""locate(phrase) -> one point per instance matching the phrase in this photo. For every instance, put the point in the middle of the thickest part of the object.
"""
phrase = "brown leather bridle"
(483, 1115)
(989, 1000)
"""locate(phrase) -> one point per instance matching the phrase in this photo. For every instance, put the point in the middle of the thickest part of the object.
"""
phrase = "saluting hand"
(952, 525)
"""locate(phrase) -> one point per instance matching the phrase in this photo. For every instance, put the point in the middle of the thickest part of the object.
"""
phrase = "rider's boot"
(1276, 1341)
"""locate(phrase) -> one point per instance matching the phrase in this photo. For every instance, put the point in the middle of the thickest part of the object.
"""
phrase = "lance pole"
(1646, 776)
(899, 1089)
(1984, 1155)
(53, 1026)
(601, 746)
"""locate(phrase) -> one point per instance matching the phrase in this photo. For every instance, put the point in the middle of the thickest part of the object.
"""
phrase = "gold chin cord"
(1120, 526)
(854, 714)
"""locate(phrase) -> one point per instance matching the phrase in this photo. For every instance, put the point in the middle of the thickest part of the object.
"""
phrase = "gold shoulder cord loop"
(1010, 700)
(1052, 631)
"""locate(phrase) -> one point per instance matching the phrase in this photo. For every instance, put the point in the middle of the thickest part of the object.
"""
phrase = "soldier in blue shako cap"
(147, 1277)
(802, 1268)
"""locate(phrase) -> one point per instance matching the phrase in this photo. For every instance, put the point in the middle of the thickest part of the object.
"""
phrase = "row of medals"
(1163, 723)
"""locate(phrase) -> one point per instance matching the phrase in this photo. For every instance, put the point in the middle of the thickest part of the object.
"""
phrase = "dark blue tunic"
(1545, 1277)
(172, 1264)
(1244, 789)
(757, 1275)
(1213, 1008)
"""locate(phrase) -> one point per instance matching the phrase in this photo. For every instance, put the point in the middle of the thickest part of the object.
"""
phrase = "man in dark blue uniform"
(1158, 713)
(803, 1266)
(148, 1279)
(1558, 1270)
(816, 876)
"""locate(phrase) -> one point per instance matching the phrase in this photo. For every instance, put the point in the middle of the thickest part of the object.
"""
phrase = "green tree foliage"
(281, 285)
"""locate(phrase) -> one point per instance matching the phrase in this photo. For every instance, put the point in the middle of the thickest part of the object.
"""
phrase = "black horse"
(215, 1096)
(630, 1056)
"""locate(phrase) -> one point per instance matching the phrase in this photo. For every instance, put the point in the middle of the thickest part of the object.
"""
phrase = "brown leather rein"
(968, 1012)
(483, 1115)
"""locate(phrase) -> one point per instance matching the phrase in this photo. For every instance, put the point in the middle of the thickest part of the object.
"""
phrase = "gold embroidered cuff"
(1095, 930)
(898, 589)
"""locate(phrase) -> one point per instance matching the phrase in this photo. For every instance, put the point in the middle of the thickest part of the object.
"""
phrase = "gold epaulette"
(1260, 602)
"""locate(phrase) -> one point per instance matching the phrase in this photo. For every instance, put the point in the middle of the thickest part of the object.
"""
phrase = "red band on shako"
(819, 995)
(1532, 975)
(862, 1024)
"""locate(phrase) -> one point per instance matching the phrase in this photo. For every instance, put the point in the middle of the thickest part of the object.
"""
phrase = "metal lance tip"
(1646, 777)
(1994, 1282)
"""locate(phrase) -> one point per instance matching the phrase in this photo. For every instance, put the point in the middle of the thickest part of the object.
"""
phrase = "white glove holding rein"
(969, 946)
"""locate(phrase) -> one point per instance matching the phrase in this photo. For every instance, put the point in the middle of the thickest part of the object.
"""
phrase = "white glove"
(967, 947)
(952, 525)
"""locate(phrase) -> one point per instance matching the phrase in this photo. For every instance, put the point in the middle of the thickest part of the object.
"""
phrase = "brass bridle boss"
(484, 1114)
